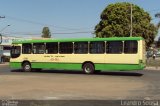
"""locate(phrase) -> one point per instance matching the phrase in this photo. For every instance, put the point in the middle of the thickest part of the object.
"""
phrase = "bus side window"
(114, 47)
(80, 47)
(38, 48)
(130, 47)
(26, 48)
(97, 47)
(51, 48)
(65, 47)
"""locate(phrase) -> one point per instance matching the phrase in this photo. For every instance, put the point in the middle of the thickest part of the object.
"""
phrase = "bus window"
(38, 48)
(15, 51)
(51, 48)
(26, 48)
(114, 47)
(81, 47)
(130, 47)
(97, 47)
(66, 48)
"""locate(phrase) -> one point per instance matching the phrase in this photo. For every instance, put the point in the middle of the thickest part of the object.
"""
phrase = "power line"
(28, 33)
(74, 32)
(44, 24)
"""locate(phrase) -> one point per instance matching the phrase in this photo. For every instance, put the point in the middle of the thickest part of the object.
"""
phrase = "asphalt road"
(70, 85)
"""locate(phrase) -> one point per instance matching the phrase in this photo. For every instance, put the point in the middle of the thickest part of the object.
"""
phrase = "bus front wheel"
(27, 67)
(88, 68)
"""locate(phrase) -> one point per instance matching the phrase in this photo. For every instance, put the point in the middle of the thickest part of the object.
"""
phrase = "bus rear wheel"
(27, 67)
(88, 68)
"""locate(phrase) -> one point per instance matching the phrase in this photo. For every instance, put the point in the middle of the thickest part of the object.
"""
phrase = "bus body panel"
(63, 61)
(104, 62)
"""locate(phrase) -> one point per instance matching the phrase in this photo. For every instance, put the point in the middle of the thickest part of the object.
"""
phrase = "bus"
(86, 54)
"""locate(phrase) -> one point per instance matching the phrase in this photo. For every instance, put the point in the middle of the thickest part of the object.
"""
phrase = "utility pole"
(0, 33)
(131, 23)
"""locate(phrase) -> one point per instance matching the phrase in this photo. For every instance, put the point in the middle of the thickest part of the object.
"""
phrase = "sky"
(65, 18)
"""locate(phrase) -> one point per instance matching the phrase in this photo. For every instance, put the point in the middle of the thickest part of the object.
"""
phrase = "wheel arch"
(88, 62)
(25, 61)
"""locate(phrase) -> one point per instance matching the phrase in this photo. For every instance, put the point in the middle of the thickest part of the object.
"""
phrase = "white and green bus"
(88, 54)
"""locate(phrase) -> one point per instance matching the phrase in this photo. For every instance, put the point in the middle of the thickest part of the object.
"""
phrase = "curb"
(152, 68)
(4, 64)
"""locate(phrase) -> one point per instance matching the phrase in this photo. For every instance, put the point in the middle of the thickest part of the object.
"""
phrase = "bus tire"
(26, 67)
(88, 68)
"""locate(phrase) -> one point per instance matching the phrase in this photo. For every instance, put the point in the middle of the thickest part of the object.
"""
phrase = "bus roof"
(77, 39)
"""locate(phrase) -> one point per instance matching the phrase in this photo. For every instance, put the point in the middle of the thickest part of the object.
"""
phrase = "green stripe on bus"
(78, 66)
(79, 39)
(15, 64)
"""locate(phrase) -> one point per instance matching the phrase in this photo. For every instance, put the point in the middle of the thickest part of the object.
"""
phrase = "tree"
(115, 22)
(158, 43)
(158, 26)
(46, 33)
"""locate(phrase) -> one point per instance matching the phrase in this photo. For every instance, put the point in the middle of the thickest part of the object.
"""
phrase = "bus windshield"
(15, 51)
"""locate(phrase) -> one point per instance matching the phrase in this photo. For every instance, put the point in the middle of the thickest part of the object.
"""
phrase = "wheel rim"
(87, 69)
(27, 67)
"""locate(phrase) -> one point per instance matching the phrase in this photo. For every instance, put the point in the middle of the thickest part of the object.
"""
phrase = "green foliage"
(115, 22)
(46, 33)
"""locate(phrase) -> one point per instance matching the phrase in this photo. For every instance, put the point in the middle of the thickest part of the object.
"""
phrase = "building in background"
(5, 47)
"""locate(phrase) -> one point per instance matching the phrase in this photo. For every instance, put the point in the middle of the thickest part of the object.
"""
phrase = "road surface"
(70, 85)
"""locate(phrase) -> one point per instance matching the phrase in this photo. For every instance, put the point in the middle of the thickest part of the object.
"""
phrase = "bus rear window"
(15, 51)
(130, 47)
